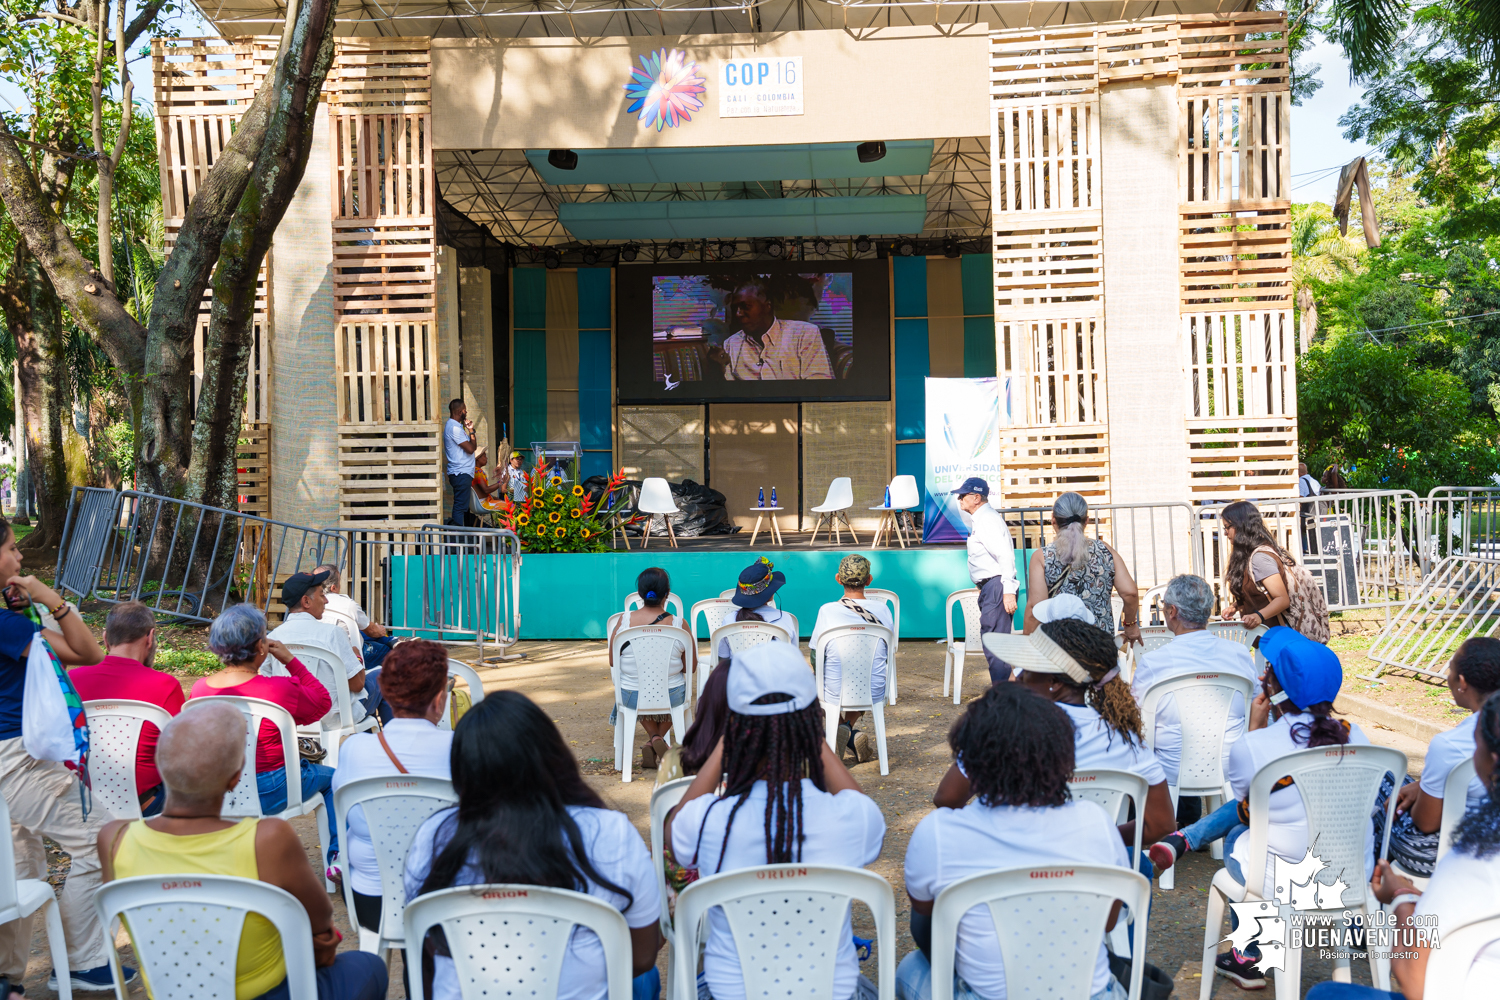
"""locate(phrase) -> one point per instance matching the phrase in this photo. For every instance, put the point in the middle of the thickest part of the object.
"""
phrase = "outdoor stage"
(571, 596)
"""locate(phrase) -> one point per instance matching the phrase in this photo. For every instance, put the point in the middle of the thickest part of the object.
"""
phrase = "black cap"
(298, 584)
(974, 484)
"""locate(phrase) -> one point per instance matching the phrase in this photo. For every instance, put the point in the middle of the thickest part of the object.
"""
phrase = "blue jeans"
(374, 702)
(354, 975)
(676, 695)
(316, 780)
(1348, 991)
(1222, 822)
(914, 982)
(646, 986)
(375, 649)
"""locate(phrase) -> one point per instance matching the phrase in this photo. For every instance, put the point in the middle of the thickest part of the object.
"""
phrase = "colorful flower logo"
(665, 89)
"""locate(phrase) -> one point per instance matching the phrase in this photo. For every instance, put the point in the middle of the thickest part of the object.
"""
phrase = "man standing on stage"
(992, 566)
(767, 348)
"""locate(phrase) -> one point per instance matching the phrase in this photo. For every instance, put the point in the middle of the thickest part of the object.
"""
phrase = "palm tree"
(1319, 256)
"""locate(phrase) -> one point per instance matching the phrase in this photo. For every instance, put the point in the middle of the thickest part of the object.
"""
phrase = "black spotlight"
(629, 254)
(726, 250)
(821, 246)
(591, 256)
(863, 244)
(906, 248)
(674, 250)
(552, 260)
(868, 152)
(566, 159)
(950, 248)
(776, 249)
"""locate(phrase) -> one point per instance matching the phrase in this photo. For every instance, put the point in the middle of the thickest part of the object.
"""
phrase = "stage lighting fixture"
(950, 248)
(906, 248)
(591, 256)
(629, 254)
(776, 249)
(566, 159)
(868, 152)
(863, 244)
(821, 246)
(674, 250)
(726, 250)
(552, 260)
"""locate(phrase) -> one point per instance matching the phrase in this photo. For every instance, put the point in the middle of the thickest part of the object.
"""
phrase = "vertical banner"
(964, 416)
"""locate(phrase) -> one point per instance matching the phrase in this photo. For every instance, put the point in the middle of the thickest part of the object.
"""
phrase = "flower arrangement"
(558, 517)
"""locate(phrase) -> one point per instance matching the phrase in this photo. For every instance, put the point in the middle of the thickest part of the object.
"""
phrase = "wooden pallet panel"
(1233, 458)
(1235, 258)
(1235, 147)
(1046, 156)
(1240, 364)
(1041, 463)
(1059, 362)
(1028, 64)
(390, 473)
(1057, 262)
(253, 465)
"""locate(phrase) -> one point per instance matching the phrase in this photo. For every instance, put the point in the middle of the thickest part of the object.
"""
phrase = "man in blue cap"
(992, 566)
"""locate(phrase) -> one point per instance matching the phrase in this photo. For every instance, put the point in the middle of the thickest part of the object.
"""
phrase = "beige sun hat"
(1036, 653)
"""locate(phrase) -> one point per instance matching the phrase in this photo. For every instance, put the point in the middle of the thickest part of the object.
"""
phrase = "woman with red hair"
(414, 682)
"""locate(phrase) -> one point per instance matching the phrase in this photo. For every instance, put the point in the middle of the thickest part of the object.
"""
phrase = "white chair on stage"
(396, 806)
(1112, 789)
(537, 924)
(662, 801)
(633, 601)
(114, 730)
(1338, 786)
(954, 652)
(1049, 923)
(457, 669)
(652, 647)
(832, 510)
(741, 636)
(244, 799)
(857, 645)
(1203, 702)
(791, 918)
(656, 498)
(904, 496)
(21, 897)
(186, 932)
(327, 665)
(893, 601)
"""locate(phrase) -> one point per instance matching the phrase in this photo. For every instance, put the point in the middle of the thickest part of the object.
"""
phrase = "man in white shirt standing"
(304, 599)
(768, 348)
(992, 566)
(459, 447)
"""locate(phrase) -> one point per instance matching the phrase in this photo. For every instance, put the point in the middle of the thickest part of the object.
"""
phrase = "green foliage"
(192, 662)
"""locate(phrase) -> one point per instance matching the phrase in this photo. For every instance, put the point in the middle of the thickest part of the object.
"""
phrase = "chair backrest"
(893, 601)
(726, 594)
(1203, 703)
(1338, 785)
(114, 731)
(523, 929)
(172, 917)
(715, 611)
(8, 896)
(633, 601)
(1049, 924)
(653, 648)
(857, 646)
(347, 624)
(1449, 967)
(1152, 637)
(396, 806)
(840, 494)
(327, 665)
(791, 919)
(1455, 800)
(968, 602)
(743, 635)
(1151, 605)
(1233, 631)
(470, 676)
(662, 800)
(904, 492)
(244, 800)
(1110, 788)
(656, 497)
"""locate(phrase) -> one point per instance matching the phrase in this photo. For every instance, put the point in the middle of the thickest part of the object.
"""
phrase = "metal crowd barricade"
(1465, 520)
(1460, 599)
(182, 559)
(458, 586)
(1157, 541)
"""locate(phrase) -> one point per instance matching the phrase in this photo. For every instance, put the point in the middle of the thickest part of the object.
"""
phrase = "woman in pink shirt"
(238, 636)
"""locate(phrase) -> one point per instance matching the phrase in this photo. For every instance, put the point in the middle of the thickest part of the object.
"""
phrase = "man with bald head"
(767, 348)
(201, 756)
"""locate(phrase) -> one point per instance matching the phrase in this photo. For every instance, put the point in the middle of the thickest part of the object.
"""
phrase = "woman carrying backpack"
(1265, 584)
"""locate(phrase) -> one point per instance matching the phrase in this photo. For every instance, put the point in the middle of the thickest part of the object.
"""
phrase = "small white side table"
(761, 513)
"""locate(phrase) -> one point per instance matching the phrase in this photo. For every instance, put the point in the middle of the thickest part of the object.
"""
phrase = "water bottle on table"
(888, 498)
(773, 496)
(761, 500)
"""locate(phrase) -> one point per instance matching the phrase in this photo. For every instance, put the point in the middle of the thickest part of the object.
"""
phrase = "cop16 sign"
(760, 87)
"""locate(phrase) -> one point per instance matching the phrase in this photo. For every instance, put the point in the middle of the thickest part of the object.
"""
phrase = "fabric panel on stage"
(665, 441)
(754, 446)
(562, 356)
(529, 398)
(846, 439)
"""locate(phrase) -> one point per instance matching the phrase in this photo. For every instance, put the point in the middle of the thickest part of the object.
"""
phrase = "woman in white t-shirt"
(653, 586)
(1465, 888)
(525, 815)
(786, 798)
(853, 609)
(1017, 750)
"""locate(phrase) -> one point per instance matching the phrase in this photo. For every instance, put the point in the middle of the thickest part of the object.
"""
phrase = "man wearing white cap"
(992, 566)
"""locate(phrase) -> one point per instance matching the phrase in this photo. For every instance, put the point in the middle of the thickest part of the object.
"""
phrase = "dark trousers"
(460, 486)
(993, 618)
(354, 975)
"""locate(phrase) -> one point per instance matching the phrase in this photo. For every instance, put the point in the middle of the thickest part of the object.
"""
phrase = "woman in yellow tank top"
(201, 754)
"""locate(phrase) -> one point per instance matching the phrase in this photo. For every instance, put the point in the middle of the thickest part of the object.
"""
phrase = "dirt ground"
(571, 681)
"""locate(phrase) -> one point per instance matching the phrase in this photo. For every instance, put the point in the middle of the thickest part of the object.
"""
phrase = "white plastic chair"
(715, 611)
(522, 929)
(904, 496)
(656, 498)
(741, 636)
(186, 931)
(1049, 923)
(831, 511)
(857, 645)
(791, 918)
(954, 652)
(1234, 631)
(1110, 789)
(396, 806)
(1338, 786)
(114, 731)
(1449, 967)
(327, 665)
(893, 601)
(663, 799)
(1455, 803)
(470, 676)
(633, 601)
(1203, 703)
(652, 646)
(21, 897)
(244, 799)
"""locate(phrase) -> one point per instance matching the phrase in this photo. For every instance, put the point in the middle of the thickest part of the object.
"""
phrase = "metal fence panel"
(1457, 601)
(1465, 520)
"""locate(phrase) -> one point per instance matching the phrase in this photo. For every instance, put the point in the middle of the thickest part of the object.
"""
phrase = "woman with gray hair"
(1089, 569)
(239, 638)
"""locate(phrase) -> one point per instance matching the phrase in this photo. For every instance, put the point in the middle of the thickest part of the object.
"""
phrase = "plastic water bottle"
(888, 497)
(773, 496)
(760, 501)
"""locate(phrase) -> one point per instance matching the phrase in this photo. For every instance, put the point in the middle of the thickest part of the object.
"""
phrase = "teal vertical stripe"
(593, 298)
(911, 369)
(529, 307)
(594, 411)
(978, 284)
(979, 347)
(530, 303)
(909, 275)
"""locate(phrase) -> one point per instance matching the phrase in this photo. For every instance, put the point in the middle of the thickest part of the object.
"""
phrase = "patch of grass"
(192, 662)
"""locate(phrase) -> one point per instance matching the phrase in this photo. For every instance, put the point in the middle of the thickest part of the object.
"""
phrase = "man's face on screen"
(752, 310)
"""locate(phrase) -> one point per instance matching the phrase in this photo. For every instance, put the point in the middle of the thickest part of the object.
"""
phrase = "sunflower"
(577, 490)
(555, 516)
(585, 532)
(575, 513)
(537, 491)
(557, 498)
(560, 532)
(557, 480)
(523, 519)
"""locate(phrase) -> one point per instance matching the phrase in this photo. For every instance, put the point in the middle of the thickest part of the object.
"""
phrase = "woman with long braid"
(1464, 888)
(786, 798)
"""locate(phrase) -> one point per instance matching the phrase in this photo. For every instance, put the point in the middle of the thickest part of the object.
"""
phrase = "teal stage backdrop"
(572, 596)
